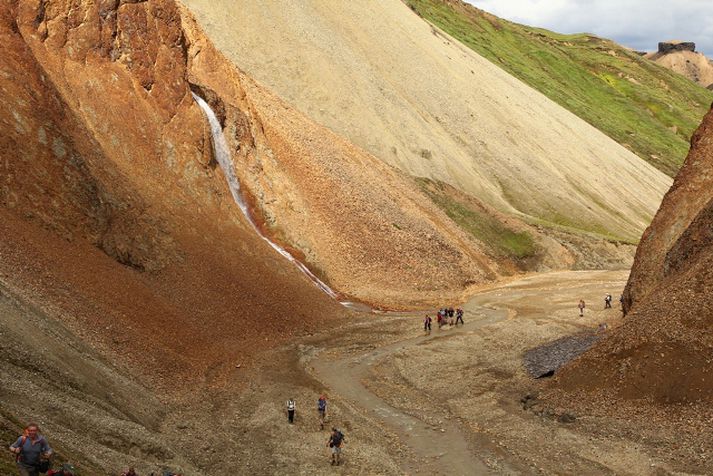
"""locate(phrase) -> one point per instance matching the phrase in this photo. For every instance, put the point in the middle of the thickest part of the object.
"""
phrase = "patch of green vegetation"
(500, 239)
(645, 107)
(557, 221)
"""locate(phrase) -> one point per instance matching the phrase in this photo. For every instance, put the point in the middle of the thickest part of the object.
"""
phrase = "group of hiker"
(607, 303)
(444, 317)
(336, 437)
(33, 455)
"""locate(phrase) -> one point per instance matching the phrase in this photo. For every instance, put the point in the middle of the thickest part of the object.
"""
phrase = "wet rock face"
(670, 46)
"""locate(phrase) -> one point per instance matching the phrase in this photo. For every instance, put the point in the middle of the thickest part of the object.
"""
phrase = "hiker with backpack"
(335, 442)
(291, 410)
(607, 301)
(459, 316)
(31, 452)
(322, 410)
(581, 307)
(427, 324)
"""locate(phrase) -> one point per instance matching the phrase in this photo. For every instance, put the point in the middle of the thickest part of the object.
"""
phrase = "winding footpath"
(443, 452)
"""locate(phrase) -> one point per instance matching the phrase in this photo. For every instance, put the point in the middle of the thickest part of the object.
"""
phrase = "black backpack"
(337, 438)
(43, 466)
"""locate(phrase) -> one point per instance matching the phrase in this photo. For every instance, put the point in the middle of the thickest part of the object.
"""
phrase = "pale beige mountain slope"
(378, 74)
(693, 65)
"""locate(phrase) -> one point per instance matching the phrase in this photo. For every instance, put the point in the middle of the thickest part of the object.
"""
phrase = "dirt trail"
(441, 450)
(450, 446)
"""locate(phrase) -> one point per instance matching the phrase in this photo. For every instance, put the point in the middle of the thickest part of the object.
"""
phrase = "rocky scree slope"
(125, 267)
(124, 160)
(379, 75)
(662, 352)
(644, 107)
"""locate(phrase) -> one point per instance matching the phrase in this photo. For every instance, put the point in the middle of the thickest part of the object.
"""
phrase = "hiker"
(427, 324)
(621, 301)
(291, 410)
(450, 318)
(129, 472)
(66, 470)
(439, 319)
(459, 316)
(322, 410)
(336, 440)
(607, 301)
(581, 307)
(31, 451)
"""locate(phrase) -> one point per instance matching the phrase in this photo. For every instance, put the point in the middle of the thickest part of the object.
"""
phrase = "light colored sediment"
(693, 65)
(377, 74)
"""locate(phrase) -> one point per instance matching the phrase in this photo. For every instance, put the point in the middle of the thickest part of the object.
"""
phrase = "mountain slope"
(127, 163)
(377, 74)
(662, 352)
(683, 58)
(650, 110)
(129, 279)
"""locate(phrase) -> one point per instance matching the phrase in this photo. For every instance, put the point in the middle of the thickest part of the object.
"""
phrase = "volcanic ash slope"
(376, 73)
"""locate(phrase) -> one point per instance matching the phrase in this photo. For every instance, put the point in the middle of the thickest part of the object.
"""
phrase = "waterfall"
(222, 155)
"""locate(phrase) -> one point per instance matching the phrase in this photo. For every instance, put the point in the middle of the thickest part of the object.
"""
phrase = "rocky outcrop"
(681, 57)
(688, 196)
(662, 351)
(676, 45)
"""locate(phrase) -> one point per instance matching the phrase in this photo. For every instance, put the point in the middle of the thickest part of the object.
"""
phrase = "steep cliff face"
(114, 214)
(688, 196)
(662, 351)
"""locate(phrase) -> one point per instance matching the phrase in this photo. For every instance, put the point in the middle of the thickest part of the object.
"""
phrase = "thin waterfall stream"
(222, 155)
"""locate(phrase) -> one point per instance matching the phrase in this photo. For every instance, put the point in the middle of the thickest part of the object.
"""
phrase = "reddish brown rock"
(110, 191)
(690, 193)
(662, 352)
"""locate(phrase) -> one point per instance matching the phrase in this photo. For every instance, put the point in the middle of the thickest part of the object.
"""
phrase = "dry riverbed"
(460, 401)
(457, 401)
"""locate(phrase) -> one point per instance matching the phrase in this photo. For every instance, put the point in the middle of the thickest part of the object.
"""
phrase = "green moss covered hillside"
(645, 107)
